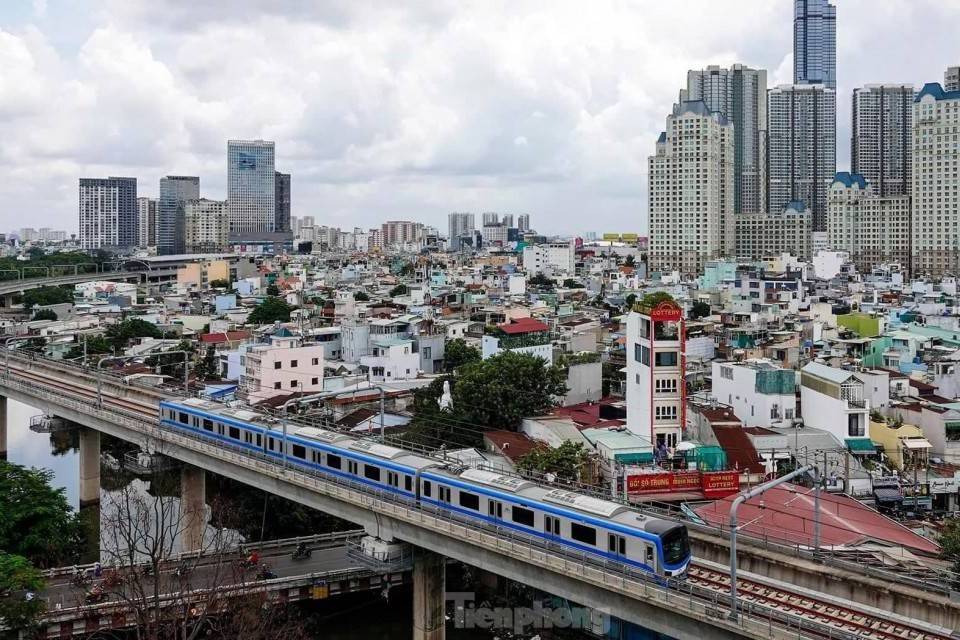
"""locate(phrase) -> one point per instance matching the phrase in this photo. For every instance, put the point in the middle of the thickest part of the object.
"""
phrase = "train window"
(426, 488)
(650, 555)
(371, 473)
(580, 533)
(270, 444)
(299, 451)
(235, 433)
(522, 516)
(408, 483)
(184, 418)
(259, 440)
(247, 437)
(207, 425)
(469, 500)
(333, 461)
(313, 456)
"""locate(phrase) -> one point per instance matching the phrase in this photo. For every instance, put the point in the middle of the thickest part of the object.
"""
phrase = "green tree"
(122, 333)
(220, 283)
(407, 269)
(950, 546)
(570, 283)
(630, 261)
(273, 290)
(207, 368)
(630, 300)
(95, 345)
(653, 299)
(269, 311)
(700, 309)
(45, 314)
(171, 364)
(36, 520)
(565, 461)
(457, 353)
(502, 390)
(399, 290)
(43, 296)
(360, 296)
(17, 578)
(542, 281)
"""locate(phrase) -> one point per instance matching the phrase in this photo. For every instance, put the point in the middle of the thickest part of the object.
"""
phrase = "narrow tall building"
(108, 212)
(175, 191)
(691, 190)
(459, 225)
(740, 94)
(491, 217)
(207, 225)
(815, 43)
(281, 219)
(146, 222)
(880, 144)
(935, 202)
(523, 222)
(802, 147)
(251, 186)
(951, 79)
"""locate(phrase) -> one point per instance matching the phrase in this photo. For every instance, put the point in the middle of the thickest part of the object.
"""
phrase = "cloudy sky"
(381, 112)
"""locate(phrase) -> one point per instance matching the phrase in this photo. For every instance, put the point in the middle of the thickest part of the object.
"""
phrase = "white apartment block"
(833, 400)
(391, 358)
(494, 234)
(740, 94)
(802, 147)
(654, 379)
(108, 212)
(760, 392)
(550, 258)
(402, 233)
(759, 235)
(880, 148)
(936, 182)
(146, 222)
(283, 366)
(951, 79)
(691, 190)
(206, 226)
(872, 229)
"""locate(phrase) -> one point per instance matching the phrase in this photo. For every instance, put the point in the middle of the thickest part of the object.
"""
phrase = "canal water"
(361, 616)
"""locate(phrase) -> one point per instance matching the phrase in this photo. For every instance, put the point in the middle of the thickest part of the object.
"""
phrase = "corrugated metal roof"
(827, 373)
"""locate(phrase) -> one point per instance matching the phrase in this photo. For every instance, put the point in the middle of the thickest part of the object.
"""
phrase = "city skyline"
(565, 155)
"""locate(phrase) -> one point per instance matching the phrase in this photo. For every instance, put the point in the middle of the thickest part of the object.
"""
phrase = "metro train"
(605, 530)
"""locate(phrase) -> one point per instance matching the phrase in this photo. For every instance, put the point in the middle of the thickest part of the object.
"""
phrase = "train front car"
(674, 546)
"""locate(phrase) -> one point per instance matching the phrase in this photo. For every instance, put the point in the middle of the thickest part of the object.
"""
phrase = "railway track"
(81, 391)
(843, 619)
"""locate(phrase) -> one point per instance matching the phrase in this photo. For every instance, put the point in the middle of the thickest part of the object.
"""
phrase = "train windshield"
(676, 546)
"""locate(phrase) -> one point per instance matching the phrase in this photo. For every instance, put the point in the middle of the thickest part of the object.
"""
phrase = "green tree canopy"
(653, 299)
(269, 311)
(95, 345)
(399, 290)
(700, 309)
(540, 280)
(45, 314)
(457, 353)
(950, 545)
(500, 391)
(207, 368)
(273, 290)
(220, 284)
(42, 296)
(565, 461)
(17, 577)
(360, 296)
(570, 283)
(630, 300)
(122, 333)
(36, 520)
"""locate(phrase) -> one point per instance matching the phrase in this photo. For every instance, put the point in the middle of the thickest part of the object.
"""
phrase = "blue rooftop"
(796, 205)
(849, 179)
(934, 89)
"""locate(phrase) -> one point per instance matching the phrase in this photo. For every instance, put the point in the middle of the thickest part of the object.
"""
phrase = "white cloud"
(381, 110)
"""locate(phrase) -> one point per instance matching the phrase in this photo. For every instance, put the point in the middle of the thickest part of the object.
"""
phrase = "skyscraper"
(951, 79)
(691, 224)
(507, 220)
(401, 232)
(740, 94)
(251, 186)
(935, 202)
(880, 145)
(281, 220)
(815, 42)
(108, 212)
(491, 218)
(460, 224)
(175, 191)
(207, 224)
(523, 222)
(802, 147)
(146, 222)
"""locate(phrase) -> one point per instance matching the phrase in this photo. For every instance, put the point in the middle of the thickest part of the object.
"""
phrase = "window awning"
(860, 445)
(917, 443)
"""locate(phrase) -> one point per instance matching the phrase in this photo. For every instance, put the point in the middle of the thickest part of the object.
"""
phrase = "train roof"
(323, 435)
(497, 480)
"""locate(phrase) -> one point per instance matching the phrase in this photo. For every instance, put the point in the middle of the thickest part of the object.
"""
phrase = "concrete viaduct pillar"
(3, 427)
(89, 467)
(429, 587)
(193, 505)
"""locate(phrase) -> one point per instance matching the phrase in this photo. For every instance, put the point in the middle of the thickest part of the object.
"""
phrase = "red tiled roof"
(219, 338)
(718, 414)
(741, 453)
(523, 325)
(511, 444)
(785, 513)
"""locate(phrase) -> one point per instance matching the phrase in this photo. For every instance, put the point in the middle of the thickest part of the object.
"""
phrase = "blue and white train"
(605, 530)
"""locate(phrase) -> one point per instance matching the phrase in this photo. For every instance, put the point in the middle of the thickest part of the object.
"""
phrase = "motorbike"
(302, 553)
(95, 595)
(266, 573)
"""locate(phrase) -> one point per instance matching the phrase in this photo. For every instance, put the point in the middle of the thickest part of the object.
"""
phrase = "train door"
(495, 509)
(551, 526)
(616, 545)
